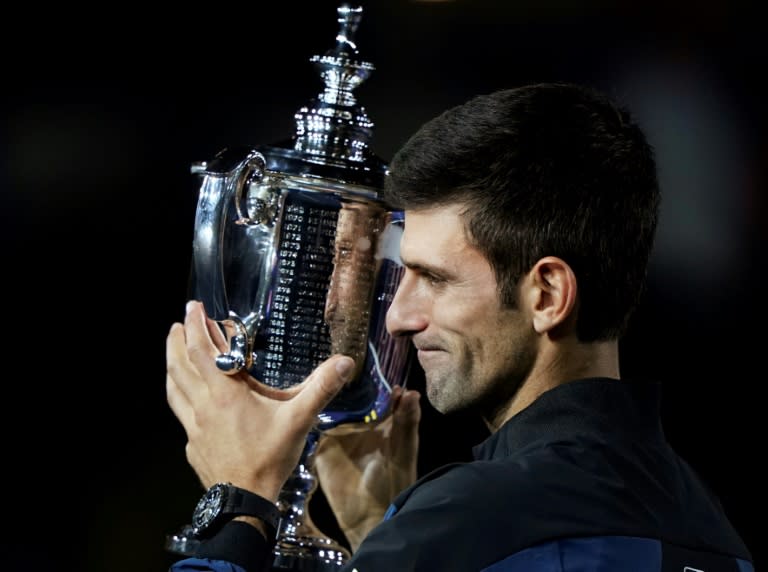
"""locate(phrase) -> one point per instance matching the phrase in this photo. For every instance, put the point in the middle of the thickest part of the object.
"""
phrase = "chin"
(441, 402)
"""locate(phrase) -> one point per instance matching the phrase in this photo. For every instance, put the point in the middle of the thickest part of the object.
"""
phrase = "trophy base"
(309, 554)
(182, 542)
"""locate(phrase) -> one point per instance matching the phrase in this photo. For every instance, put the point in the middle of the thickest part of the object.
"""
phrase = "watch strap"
(239, 543)
(242, 502)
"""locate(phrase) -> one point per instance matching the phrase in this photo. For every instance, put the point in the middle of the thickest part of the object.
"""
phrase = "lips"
(422, 346)
(426, 354)
(425, 351)
(429, 349)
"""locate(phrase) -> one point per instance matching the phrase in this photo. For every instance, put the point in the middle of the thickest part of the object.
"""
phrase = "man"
(530, 216)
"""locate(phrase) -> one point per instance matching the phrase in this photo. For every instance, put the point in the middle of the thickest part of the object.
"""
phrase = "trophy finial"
(349, 20)
(333, 128)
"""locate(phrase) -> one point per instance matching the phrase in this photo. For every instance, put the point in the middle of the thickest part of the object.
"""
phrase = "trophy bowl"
(297, 268)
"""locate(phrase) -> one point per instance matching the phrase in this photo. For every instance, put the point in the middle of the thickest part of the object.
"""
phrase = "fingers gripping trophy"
(296, 258)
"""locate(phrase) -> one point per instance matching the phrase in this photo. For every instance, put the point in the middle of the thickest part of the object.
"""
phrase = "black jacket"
(587, 463)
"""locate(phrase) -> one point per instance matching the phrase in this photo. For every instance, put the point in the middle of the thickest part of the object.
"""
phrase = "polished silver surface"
(296, 258)
(182, 542)
(301, 546)
(297, 269)
(333, 126)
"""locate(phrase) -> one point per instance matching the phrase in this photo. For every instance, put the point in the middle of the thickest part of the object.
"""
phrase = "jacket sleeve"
(237, 547)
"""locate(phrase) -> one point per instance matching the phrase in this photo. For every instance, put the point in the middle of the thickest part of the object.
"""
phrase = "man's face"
(474, 351)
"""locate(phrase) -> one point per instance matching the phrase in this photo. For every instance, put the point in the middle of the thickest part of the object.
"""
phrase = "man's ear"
(553, 294)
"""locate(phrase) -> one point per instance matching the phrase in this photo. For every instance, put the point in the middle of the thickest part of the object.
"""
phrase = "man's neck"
(558, 364)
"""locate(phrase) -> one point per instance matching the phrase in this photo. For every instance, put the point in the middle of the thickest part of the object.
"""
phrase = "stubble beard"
(447, 388)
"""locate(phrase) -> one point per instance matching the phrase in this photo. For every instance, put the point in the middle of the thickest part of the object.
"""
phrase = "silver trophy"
(296, 257)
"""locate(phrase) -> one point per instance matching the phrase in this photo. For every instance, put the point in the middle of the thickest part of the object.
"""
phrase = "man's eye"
(433, 280)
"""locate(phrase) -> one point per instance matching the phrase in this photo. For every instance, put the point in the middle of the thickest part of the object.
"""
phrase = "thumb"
(323, 384)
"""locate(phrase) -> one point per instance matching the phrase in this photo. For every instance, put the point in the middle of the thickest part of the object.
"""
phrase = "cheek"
(504, 335)
(514, 347)
(471, 311)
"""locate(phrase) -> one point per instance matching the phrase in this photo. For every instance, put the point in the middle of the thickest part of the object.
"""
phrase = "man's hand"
(238, 429)
(361, 470)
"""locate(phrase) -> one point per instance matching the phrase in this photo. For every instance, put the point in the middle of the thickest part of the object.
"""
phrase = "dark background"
(105, 110)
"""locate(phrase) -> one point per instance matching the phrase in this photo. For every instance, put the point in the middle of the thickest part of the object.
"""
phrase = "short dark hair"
(546, 169)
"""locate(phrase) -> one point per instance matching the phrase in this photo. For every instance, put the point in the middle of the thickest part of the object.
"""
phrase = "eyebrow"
(428, 269)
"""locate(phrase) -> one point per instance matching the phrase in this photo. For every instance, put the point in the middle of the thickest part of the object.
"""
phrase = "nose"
(409, 311)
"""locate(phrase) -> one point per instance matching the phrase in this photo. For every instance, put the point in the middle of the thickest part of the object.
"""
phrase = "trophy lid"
(333, 132)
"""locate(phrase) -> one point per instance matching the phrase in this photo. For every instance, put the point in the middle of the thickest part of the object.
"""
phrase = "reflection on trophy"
(296, 257)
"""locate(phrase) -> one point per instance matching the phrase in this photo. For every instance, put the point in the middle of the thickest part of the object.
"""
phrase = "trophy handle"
(222, 201)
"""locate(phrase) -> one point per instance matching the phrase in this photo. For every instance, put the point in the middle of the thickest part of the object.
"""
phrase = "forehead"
(436, 237)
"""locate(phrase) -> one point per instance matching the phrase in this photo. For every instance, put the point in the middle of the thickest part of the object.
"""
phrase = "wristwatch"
(223, 501)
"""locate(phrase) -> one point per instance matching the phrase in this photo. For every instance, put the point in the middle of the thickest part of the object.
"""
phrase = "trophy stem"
(301, 546)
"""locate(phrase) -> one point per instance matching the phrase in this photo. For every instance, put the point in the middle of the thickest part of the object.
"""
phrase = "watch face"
(208, 508)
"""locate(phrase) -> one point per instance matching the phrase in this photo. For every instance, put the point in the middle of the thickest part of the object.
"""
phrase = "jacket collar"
(601, 407)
